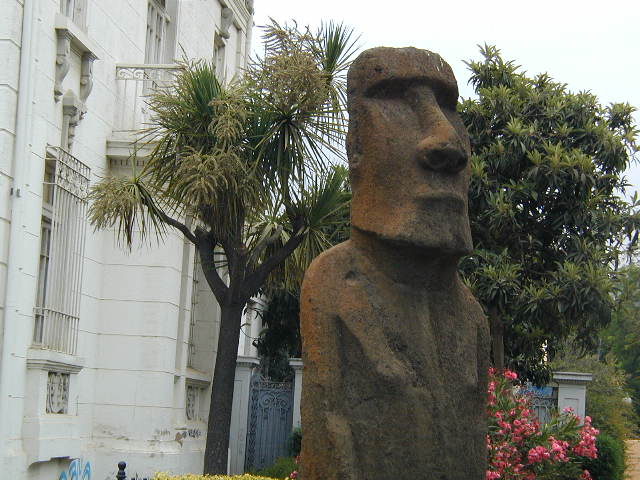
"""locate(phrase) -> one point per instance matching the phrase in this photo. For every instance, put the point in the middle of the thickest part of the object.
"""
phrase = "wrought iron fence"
(544, 401)
(270, 421)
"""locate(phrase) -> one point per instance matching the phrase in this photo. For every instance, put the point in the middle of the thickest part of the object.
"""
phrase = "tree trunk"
(497, 338)
(219, 425)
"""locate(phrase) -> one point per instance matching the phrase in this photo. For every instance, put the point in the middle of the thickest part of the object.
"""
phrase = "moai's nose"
(442, 150)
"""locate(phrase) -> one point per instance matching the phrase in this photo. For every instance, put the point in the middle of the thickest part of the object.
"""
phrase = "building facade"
(106, 355)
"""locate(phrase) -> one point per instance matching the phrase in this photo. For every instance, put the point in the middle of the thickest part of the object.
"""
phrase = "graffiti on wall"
(77, 471)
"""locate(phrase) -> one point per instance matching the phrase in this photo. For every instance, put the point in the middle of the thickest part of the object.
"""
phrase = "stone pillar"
(296, 364)
(240, 412)
(572, 390)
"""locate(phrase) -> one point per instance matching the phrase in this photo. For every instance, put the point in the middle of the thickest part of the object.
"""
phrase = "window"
(57, 313)
(195, 293)
(219, 57)
(157, 31)
(204, 319)
(240, 38)
(76, 10)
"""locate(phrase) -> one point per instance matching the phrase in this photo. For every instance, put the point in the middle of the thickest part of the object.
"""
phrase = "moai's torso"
(393, 376)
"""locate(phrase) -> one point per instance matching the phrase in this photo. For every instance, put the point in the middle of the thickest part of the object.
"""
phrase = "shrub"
(295, 442)
(610, 463)
(281, 468)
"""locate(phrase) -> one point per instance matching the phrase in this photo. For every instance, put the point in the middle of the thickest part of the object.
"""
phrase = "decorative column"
(572, 390)
(296, 364)
(240, 413)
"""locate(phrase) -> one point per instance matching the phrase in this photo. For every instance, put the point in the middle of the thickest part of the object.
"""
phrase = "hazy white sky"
(586, 44)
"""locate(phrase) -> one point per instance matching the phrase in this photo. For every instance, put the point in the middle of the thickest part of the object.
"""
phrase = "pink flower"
(294, 474)
(517, 447)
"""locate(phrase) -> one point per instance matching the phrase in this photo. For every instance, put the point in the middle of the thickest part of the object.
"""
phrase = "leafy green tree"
(548, 224)
(241, 171)
(622, 337)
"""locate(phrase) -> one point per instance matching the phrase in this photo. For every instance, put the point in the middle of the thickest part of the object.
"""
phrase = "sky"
(588, 45)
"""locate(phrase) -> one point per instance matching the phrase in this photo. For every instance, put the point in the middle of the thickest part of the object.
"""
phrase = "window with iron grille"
(57, 313)
(157, 32)
(195, 293)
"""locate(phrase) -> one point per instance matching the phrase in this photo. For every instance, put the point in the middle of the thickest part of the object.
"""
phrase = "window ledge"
(43, 359)
(575, 378)
(197, 378)
(79, 39)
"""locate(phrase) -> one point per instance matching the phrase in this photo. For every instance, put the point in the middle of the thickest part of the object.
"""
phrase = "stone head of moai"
(408, 151)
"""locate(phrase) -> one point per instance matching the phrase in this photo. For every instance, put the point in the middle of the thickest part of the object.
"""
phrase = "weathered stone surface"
(395, 347)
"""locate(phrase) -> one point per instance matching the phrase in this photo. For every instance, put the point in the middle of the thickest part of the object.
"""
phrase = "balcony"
(134, 84)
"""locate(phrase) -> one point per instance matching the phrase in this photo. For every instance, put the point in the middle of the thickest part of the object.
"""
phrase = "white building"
(105, 355)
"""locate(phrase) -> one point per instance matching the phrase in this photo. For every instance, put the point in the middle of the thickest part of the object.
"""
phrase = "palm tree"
(242, 171)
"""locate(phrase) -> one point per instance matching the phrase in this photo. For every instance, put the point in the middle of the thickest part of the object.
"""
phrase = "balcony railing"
(135, 83)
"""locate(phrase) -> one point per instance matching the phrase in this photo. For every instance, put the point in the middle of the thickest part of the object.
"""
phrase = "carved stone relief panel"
(194, 402)
(57, 393)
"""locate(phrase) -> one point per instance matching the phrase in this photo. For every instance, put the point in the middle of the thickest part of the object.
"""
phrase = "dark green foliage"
(622, 337)
(548, 225)
(281, 468)
(610, 462)
(295, 442)
(280, 338)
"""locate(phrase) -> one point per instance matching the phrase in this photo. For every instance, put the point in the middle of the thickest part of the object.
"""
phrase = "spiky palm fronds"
(129, 206)
(241, 160)
(324, 206)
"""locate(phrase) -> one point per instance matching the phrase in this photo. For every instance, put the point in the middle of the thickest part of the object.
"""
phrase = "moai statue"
(396, 348)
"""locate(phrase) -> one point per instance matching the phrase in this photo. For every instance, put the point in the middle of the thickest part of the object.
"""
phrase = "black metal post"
(121, 473)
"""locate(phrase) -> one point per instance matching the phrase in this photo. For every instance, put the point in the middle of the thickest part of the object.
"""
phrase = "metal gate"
(270, 422)
(544, 401)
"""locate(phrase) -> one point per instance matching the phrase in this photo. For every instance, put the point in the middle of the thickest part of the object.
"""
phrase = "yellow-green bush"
(192, 476)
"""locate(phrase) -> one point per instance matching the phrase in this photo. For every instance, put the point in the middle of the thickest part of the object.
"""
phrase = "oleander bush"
(610, 464)
(519, 448)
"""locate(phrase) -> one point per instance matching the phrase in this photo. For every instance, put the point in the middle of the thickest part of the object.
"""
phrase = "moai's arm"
(327, 441)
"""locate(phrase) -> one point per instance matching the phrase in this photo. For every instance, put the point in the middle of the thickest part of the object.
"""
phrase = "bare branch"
(179, 226)
(254, 281)
(264, 243)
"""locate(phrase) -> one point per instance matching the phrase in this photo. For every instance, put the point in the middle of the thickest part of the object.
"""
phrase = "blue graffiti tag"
(73, 473)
